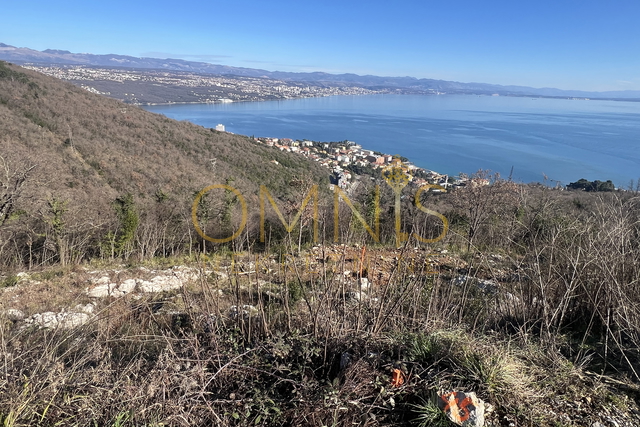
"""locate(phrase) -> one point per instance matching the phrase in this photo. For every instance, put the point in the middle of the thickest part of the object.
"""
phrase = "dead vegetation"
(530, 299)
(262, 340)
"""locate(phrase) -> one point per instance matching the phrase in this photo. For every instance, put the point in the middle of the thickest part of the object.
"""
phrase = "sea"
(546, 140)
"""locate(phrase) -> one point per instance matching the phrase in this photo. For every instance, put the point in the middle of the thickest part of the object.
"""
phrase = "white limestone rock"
(127, 286)
(102, 290)
(14, 314)
(63, 320)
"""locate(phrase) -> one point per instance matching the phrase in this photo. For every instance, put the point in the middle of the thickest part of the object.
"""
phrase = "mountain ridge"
(56, 56)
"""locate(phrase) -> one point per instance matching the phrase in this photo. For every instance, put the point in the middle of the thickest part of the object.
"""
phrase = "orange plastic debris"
(397, 378)
(458, 405)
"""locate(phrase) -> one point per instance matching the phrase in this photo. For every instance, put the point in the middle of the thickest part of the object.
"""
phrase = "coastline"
(452, 134)
(143, 104)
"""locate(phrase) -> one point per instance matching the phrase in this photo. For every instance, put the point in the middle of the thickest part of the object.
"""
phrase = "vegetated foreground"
(312, 339)
(526, 295)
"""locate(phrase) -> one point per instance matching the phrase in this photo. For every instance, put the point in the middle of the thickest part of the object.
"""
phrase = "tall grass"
(262, 340)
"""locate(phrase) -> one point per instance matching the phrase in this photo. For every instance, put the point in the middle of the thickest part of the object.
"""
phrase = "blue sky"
(567, 44)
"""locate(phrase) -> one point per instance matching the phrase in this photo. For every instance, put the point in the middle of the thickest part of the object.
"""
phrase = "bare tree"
(11, 186)
(485, 195)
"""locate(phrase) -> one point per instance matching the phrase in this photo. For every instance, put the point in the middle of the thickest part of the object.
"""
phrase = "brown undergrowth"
(258, 341)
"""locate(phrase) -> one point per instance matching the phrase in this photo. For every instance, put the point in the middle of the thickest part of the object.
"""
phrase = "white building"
(220, 128)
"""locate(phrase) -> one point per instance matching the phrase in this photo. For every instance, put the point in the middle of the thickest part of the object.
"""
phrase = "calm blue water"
(563, 139)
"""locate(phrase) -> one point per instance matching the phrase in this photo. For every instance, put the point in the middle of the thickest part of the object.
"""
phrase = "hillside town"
(346, 160)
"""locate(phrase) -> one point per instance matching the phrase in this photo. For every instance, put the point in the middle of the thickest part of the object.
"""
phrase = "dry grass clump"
(266, 344)
(453, 359)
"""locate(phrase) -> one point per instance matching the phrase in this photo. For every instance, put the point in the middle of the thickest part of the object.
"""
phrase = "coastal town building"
(342, 157)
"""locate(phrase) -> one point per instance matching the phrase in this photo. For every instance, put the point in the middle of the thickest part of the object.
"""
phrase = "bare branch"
(11, 186)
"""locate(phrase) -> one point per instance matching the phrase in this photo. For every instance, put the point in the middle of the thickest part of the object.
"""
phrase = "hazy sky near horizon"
(566, 44)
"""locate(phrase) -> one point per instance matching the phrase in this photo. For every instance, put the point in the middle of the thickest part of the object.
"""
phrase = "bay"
(532, 138)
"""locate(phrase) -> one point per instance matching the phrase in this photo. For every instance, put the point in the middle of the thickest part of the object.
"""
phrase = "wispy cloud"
(299, 68)
(188, 56)
(255, 61)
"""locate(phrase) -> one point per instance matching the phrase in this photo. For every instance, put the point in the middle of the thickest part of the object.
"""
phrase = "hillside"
(507, 304)
(84, 151)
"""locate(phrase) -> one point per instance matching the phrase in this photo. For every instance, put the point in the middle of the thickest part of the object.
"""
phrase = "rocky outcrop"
(487, 286)
(80, 315)
(154, 281)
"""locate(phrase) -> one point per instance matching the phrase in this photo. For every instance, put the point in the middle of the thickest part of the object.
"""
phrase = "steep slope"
(86, 150)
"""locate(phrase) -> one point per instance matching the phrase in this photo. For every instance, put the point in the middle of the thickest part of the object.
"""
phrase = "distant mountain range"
(24, 55)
